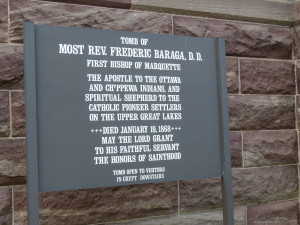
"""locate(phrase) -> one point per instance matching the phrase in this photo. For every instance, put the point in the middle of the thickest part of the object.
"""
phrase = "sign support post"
(31, 124)
(227, 196)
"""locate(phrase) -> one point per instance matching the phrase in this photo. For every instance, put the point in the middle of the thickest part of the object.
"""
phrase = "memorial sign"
(107, 108)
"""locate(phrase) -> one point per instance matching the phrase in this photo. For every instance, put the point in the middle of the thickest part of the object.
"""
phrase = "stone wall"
(263, 74)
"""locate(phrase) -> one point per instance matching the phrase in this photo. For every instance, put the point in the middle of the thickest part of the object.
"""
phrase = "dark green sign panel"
(107, 108)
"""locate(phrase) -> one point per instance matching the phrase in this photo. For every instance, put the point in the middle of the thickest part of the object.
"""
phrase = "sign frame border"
(32, 133)
(31, 123)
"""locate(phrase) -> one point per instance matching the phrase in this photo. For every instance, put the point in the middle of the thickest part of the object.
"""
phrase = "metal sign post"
(227, 195)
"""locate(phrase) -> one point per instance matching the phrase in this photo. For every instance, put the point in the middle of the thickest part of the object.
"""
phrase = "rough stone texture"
(298, 111)
(4, 114)
(18, 114)
(84, 16)
(20, 205)
(3, 20)
(232, 75)
(267, 77)
(212, 217)
(264, 148)
(295, 11)
(296, 41)
(11, 67)
(100, 205)
(250, 186)
(242, 39)
(5, 206)
(298, 76)
(236, 149)
(259, 112)
(12, 161)
(124, 4)
(266, 184)
(200, 194)
(274, 213)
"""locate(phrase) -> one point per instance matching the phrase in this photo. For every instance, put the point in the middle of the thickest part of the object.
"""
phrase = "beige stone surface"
(242, 39)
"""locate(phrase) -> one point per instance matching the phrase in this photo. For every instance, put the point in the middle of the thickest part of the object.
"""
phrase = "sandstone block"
(274, 213)
(298, 76)
(100, 205)
(4, 114)
(236, 149)
(267, 77)
(84, 16)
(266, 184)
(250, 186)
(11, 67)
(242, 39)
(18, 114)
(295, 12)
(5, 206)
(12, 161)
(296, 42)
(232, 75)
(298, 111)
(200, 194)
(265, 148)
(261, 112)
(3, 20)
